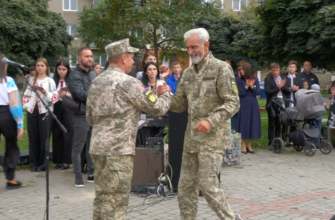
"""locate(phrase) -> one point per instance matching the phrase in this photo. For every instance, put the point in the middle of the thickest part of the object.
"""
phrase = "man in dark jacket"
(275, 86)
(79, 82)
(308, 76)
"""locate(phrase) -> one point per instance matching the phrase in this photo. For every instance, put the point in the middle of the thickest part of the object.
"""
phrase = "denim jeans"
(319, 126)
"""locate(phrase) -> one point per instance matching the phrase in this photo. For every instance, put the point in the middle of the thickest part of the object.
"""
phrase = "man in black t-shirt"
(308, 76)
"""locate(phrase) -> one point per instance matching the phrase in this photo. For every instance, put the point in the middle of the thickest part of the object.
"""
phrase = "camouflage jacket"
(208, 90)
(113, 109)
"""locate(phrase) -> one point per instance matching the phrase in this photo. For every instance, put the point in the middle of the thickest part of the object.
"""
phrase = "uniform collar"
(111, 67)
(203, 63)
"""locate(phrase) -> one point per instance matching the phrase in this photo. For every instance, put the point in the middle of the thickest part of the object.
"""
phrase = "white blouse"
(30, 99)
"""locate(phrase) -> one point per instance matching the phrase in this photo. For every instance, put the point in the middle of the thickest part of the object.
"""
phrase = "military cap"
(119, 47)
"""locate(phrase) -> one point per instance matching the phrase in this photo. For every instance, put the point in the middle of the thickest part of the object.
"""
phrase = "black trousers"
(8, 128)
(273, 127)
(37, 136)
(62, 142)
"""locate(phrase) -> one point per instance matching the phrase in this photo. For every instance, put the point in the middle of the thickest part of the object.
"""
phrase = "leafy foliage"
(230, 38)
(299, 30)
(141, 21)
(28, 30)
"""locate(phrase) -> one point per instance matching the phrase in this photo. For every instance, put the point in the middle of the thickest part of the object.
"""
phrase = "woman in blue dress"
(249, 119)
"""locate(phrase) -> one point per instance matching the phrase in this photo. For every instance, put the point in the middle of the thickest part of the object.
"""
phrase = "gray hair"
(202, 34)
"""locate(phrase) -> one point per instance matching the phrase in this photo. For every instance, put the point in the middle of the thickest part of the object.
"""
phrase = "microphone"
(5, 60)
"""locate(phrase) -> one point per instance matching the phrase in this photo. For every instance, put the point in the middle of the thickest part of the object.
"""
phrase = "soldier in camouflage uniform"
(208, 90)
(113, 109)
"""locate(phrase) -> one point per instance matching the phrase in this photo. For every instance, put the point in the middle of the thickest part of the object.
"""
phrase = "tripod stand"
(47, 141)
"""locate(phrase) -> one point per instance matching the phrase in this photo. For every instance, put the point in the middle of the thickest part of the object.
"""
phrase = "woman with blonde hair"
(11, 123)
(46, 88)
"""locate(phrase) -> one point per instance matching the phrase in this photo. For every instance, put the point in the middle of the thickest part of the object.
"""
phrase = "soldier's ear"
(206, 44)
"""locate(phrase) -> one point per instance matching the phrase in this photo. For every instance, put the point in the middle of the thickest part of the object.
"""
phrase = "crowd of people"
(106, 117)
(104, 125)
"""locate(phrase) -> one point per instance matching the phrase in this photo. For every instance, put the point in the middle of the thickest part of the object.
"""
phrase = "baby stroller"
(309, 106)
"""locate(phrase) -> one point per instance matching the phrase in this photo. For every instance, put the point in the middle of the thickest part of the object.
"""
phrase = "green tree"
(299, 30)
(160, 23)
(230, 38)
(28, 30)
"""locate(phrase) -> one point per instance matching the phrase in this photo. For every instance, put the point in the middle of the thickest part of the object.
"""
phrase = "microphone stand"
(47, 139)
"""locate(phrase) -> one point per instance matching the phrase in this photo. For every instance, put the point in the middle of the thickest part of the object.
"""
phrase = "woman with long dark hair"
(36, 111)
(151, 77)
(147, 57)
(249, 119)
(11, 123)
(150, 80)
(62, 142)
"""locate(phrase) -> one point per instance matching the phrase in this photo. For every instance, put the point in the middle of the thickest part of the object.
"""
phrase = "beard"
(196, 58)
(87, 65)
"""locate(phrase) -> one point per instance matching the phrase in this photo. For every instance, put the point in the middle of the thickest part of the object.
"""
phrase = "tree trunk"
(155, 44)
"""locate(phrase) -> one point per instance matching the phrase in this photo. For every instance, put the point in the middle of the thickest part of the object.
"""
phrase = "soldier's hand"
(204, 126)
(162, 89)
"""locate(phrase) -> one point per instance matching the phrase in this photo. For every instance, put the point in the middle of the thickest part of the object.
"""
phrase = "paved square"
(266, 186)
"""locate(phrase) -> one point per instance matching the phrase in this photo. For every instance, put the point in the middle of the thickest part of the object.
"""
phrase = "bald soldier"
(208, 90)
(113, 109)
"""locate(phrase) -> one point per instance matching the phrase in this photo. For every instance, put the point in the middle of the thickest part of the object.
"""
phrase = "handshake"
(162, 89)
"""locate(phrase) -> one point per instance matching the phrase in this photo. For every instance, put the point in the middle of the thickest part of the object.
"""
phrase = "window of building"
(70, 5)
(101, 59)
(239, 4)
(73, 61)
(96, 2)
(71, 30)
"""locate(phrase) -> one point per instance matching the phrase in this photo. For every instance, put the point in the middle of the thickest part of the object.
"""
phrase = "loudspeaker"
(177, 127)
(148, 166)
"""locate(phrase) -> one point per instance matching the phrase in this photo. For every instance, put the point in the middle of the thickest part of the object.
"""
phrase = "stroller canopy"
(309, 104)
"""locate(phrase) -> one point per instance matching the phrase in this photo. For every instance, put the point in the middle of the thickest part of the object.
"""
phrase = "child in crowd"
(306, 85)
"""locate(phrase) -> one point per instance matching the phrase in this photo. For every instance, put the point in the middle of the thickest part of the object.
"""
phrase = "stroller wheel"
(325, 147)
(278, 145)
(310, 149)
(298, 148)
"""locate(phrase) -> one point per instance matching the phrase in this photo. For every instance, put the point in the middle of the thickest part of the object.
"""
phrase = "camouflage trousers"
(200, 170)
(112, 180)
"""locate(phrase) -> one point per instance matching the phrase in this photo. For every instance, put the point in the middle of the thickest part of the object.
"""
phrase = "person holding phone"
(62, 142)
(36, 111)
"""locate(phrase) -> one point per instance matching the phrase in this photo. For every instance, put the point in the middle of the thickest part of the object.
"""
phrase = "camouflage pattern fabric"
(113, 109)
(119, 47)
(206, 90)
(201, 170)
(112, 180)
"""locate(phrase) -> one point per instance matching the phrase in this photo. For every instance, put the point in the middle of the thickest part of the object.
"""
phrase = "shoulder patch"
(150, 96)
(234, 87)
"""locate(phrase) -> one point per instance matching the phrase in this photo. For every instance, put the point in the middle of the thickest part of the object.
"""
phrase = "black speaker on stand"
(177, 127)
